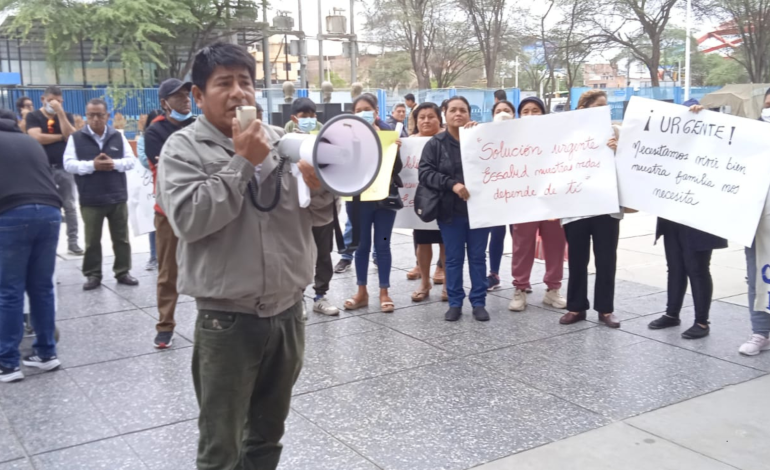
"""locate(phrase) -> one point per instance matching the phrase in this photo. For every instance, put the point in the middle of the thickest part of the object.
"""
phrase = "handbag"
(393, 202)
(426, 203)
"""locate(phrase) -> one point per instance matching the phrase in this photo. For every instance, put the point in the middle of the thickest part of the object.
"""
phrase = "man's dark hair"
(20, 103)
(220, 54)
(409, 97)
(399, 105)
(98, 102)
(151, 117)
(456, 98)
(303, 105)
(422, 107)
(52, 90)
(7, 114)
(368, 98)
(501, 95)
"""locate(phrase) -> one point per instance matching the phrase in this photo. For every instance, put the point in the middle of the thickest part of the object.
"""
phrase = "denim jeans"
(348, 238)
(153, 251)
(28, 239)
(458, 236)
(760, 321)
(496, 248)
(382, 221)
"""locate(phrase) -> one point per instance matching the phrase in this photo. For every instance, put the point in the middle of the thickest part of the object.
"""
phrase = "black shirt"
(26, 177)
(157, 135)
(54, 151)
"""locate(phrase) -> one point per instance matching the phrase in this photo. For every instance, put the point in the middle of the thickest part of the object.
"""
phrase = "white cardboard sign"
(539, 168)
(709, 171)
(141, 200)
(411, 151)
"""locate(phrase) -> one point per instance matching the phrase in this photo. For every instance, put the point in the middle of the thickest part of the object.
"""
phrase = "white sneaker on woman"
(754, 345)
(519, 301)
(554, 299)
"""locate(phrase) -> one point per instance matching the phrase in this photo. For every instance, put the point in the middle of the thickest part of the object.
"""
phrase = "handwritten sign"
(141, 200)
(709, 171)
(762, 279)
(411, 151)
(539, 168)
(380, 188)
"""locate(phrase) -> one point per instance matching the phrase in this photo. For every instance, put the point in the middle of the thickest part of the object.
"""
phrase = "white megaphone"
(346, 154)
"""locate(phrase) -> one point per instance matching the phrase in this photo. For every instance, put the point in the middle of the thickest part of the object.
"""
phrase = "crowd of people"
(248, 266)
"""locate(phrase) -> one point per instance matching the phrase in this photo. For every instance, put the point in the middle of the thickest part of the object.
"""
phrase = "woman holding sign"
(604, 230)
(428, 119)
(441, 171)
(525, 241)
(502, 111)
(373, 215)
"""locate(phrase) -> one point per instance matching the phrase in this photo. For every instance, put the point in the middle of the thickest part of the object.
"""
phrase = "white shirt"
(79, 167)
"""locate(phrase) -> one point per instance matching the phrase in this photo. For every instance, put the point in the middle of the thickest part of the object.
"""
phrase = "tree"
(391, 70)
(724, 71)
(489, 21)
(409, 25)
(454, 53)
(749, 20)
(637, 25)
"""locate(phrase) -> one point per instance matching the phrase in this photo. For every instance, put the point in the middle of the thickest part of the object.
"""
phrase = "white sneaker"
(755, 345)
(519, 301)
(554, 299)
(324, 307)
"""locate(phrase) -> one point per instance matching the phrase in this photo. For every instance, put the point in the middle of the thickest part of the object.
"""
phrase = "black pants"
(324, 269)
(605, 231)
(682, 264)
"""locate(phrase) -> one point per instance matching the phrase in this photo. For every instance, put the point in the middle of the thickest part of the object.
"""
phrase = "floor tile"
(730, 327)
(615, 373)
(10, 449)
(142, 392)
(452, 415)
(74, 302)
(742, 300)
(649, 304)
(107, 337)
(617, 446)
(340, 360)
(339, 328)
(21, 464)
(152, 446)
(109, 454)
(719, 425)
(144, 295)
(50, 412)
(400, 292)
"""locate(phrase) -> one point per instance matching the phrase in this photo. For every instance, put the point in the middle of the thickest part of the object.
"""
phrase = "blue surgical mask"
(367, 116)
(177, 116)
(49, 109)
(307, 124)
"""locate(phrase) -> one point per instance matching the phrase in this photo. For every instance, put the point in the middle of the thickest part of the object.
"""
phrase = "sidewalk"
(409, 391)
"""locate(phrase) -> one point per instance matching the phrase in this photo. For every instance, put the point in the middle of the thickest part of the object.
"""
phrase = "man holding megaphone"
(246, 261)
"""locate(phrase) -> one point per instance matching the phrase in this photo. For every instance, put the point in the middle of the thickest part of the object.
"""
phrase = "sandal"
(439, 276)
(351, 303)
(414, 274)
(444, 295)
(387, 306)
(420, 295)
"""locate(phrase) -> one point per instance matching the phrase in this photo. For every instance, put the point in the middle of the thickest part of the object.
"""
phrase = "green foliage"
(337, 81)
(391, 70)
(724, 71)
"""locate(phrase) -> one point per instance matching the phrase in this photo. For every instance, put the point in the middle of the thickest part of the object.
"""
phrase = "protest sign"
(141, 200)
(380, 188)
(411, 151)
(540, 168)
(709, 171)
(762, 262)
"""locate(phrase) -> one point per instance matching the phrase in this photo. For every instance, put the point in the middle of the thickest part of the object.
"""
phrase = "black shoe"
(164, 339)
(74, 249)
(453, 314)
(342, 266)
(480, 314)
(92, 283)
(49, 363)
(10, 375)
(696, 332)
(664, 322)
(127, 280)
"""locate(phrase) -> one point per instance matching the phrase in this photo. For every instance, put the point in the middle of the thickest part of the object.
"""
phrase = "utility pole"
(353, 44)
(320, 47)
(302, 50)
(687, 52)
(266, 59)
(517, 71)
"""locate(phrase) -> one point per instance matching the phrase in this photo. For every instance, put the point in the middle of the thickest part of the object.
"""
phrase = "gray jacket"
(231, 256)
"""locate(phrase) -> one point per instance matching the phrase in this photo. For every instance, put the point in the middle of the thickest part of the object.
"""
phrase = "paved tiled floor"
(378, 391)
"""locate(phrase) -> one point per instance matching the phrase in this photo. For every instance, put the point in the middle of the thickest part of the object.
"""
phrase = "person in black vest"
(100, 156)
(30, 220)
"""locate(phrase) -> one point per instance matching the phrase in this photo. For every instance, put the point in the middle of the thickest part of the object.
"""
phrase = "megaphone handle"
(338, 234)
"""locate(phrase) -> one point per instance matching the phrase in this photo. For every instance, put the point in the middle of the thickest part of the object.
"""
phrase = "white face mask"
(766, 114)
(502, 116)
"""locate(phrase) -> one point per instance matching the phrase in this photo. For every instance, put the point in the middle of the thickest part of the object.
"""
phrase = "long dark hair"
(506, 102)
(461, 98)
(151, 117)
(423, 106)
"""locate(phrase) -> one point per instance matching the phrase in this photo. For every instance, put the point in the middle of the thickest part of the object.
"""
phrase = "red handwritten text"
(588, 164)
(412, 163)
(493, 151)
(573, 147)
(559, 167)
(506, 194)
(512, 173)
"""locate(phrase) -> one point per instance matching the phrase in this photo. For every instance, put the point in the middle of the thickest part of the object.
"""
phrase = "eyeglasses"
(96, 115)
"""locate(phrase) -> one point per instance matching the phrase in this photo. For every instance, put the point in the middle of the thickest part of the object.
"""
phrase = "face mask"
(49, 109)
(307, 124)
(502, 117)
(177, 116)
(367, 116)
(766, 114)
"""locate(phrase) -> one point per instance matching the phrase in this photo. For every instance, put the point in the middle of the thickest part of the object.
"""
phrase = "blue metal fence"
(617, 96)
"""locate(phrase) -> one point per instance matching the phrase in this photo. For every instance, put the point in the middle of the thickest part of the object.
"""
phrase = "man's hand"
(251, 143)
(308, 174)
(56, 106)
(103, 163)
(461, 191)
(696, 108)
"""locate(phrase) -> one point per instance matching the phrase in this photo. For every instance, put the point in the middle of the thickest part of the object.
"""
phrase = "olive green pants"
(117, 219)
(244, 368)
